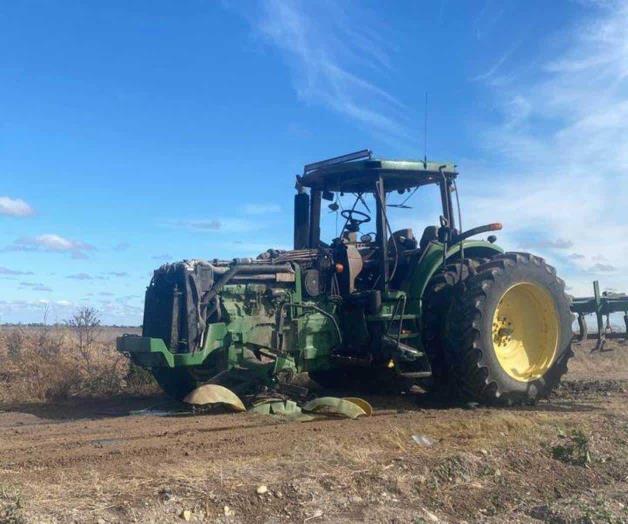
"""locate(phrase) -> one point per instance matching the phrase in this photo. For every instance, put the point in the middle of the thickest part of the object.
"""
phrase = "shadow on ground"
(78, 408)
(568, 399)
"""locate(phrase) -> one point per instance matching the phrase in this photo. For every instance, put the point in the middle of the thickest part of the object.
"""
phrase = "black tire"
(477, 371)
(175, 382)
(436, 302)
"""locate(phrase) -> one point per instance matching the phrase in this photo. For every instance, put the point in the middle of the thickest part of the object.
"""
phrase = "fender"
(426, 264)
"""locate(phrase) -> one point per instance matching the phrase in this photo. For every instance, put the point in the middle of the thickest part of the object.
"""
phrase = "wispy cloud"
(493, 70)
(121, 246)
(560, 152)
(540, 243)
(13, 272)
(15, 207)
(199, 224)
(602, 268)
(51, 243)
(81, 276)
(164, 257)
(487, 18)
(224, 225)
(334, 50)
(35, 286)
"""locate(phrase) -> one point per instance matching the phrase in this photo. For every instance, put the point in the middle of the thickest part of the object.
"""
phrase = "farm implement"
(602, 305)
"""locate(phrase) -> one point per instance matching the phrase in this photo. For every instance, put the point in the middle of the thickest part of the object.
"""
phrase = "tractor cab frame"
(359, 173)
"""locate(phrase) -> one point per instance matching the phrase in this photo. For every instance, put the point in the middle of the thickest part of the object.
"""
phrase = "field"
(121, 452)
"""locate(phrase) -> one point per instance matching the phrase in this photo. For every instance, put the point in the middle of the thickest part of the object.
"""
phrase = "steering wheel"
(348, 214)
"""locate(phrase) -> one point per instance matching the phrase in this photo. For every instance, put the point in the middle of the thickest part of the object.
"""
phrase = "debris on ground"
(423, 440)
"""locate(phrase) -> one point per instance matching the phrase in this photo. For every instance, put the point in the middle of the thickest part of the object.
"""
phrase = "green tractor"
(369, 306)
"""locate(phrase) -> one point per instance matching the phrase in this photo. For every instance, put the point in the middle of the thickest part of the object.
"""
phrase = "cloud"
(261, 209)
(7, 271)
(35, 286)
(127, 298)
(35, 310)
(487, 18)
(599, 267)
(51, 243)
(162, 258)
(491, 73)
(121, 246)
(224, 225)
(118, 274)
(123, 308)
(64, 303)
(15, 207)
(81, 276)
(199, 225)
(334, 51)
(558, 243)
(253, 249)
(558, 156)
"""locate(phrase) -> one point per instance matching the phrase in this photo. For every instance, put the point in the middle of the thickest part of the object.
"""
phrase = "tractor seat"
(404, 238)
(430, 233)
(406, 241)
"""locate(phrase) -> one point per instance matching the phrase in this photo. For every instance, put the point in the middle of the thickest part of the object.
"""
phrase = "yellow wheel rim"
(525, 331)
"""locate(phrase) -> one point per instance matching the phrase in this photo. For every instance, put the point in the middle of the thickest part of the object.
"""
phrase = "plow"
(358, 304)
(602, 305)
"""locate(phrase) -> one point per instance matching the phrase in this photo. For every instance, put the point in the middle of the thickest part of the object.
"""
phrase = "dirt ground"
(564, 460)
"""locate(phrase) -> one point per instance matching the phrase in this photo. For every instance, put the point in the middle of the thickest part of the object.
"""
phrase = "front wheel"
(509, 331)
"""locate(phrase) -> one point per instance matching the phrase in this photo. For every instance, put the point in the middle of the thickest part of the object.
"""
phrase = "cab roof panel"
(360, 176)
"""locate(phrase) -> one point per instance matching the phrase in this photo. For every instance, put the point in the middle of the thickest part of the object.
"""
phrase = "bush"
(14, 343)
(43, 363)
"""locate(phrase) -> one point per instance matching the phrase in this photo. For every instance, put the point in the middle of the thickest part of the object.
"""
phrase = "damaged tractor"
(364, 305)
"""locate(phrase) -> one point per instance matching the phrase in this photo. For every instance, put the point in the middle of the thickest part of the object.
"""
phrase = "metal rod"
(357, 155)
(381, 232)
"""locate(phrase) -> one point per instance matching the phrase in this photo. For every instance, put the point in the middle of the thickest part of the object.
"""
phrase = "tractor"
(364, 305)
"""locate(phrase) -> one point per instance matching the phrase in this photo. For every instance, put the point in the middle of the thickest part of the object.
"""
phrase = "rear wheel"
(176, 382)
(437, 300)
(509, 331)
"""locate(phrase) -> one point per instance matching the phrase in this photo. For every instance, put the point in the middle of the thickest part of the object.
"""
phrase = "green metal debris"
(335, 407)
(213, 394)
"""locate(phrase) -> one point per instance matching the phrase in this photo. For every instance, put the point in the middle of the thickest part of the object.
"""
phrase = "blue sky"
(132, 133)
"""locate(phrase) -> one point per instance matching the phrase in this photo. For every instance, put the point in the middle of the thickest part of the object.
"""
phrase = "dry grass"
(47, 363)
(610, 364)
